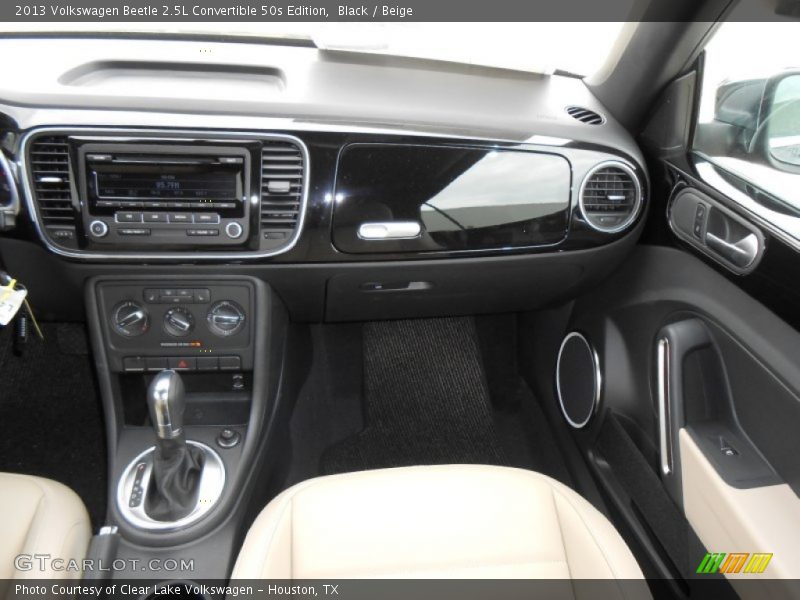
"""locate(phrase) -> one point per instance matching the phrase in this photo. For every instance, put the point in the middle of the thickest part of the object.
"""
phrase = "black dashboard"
(389, 214)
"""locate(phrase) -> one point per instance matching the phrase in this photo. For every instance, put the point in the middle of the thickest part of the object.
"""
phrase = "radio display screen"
(166, 182)
(161, 182)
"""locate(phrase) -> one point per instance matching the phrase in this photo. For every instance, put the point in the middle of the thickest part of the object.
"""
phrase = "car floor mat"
(426, 399)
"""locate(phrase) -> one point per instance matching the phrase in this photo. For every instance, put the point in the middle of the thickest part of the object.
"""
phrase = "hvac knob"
(226, 318)
(130, 319)
(178, 322)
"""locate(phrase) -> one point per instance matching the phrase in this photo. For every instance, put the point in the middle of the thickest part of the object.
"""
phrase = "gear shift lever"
(166, 400)
(173, 490)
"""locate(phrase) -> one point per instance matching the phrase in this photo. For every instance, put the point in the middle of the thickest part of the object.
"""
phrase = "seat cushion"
(457, 521)
(44, 517)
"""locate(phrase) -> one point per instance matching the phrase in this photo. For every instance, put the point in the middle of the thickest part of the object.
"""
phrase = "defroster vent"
(610, 197)
(585, 115)
(49, 166)
(282, 169)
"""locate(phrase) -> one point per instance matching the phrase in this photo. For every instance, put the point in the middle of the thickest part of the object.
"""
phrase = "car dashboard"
(329, 170)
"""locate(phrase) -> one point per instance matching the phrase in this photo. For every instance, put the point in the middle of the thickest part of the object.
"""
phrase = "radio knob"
(98, 229)
(225, 318)
(130, 319)
(233, 229)
(178, 322)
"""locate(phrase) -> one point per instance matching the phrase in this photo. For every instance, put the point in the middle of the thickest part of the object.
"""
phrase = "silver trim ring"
(639, 196)
(13, 205)
(598, 380)
(211, 484)
(664, 406)
(130, 135)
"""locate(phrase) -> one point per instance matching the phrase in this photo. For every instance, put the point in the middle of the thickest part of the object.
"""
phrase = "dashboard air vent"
(50, 180)
(584, 115)
(610, 197)
(281, 188)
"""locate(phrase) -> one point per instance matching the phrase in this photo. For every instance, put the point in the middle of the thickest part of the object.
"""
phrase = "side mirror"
(776, 140)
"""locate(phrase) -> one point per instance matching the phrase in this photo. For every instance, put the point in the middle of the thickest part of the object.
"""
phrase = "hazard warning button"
(183, 363)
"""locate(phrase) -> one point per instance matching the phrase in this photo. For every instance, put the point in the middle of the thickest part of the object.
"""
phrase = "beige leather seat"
(40, 517)
(457, 521)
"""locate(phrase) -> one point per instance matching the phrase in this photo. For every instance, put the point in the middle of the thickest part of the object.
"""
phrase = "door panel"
(733, 405)
(754, 520)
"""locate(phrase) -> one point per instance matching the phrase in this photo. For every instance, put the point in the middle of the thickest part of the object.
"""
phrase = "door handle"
(741, 253)
(390, 230)
(673, 343)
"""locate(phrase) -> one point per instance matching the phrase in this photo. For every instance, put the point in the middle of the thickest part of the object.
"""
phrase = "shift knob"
(166, 401)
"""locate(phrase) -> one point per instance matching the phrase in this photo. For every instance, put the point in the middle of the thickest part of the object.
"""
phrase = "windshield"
(578, 48)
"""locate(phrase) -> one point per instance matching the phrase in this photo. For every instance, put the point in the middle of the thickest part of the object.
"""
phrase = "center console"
(191, 372)
(191, 326)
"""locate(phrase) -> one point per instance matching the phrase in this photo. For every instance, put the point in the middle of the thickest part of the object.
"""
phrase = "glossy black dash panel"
(457, 198)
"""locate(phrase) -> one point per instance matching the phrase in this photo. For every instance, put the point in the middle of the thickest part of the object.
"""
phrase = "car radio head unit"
(167, 195)
(165, 181)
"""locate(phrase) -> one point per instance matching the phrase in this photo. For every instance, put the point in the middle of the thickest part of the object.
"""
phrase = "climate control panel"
(205, 326)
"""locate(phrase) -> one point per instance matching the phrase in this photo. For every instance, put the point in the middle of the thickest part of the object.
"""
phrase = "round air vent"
(610, 197)
(584, 115)
(578, 379)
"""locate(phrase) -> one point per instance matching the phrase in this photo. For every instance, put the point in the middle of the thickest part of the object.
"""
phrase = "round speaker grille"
(577, 379)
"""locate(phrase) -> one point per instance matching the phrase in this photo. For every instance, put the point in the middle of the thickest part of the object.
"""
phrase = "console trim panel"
(211, 485)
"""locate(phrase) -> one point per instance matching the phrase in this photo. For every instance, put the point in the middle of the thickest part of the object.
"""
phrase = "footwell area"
(426, 399)
(429, 391)
(51, 420)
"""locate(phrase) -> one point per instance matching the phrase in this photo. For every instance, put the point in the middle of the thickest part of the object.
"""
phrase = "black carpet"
(51, 420)
(526, 435)
(426, 399)
(527, 438)
(329, 407)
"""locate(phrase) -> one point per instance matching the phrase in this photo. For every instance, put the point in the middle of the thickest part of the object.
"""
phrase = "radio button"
(155, 217)
(180, 217)
(128, 217)
(133, 231)
(98, 228)
(206, 218)
(233, 229)
(202, 232)
(131, 204)
(225, 205)
(156, 204)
